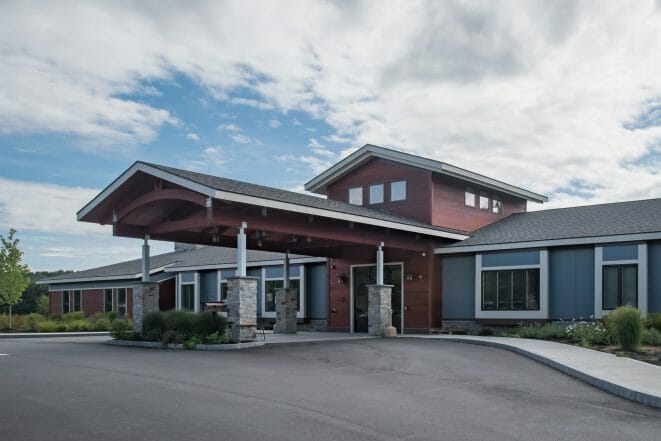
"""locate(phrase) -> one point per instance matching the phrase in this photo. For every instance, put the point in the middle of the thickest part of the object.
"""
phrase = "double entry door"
(362, 276)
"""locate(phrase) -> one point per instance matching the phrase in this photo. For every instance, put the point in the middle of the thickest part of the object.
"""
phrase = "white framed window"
(620, 282)
(376, 194)
(107, 300)
(398, 191)
(356, 196)
(469, 197)
(188, 291)
(497, 205)
(484, 202)
(121, 301)
(269, 285)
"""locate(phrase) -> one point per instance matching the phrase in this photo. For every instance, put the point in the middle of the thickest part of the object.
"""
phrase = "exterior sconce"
(341, 279)
(409, 276)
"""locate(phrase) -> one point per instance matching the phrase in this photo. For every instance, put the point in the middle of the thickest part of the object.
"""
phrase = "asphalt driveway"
(81, 389)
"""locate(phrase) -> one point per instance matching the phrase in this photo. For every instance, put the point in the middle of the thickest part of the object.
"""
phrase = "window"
(469, 197)
(620, 286)
(484, 202)
(65, 302)
(188, 297)
(107, 300)
(510, 290)
(356, 196)
(398, 191)
(223, 291)
(497, 206)
(76, 300)
(376, 194)
(121, 302)
(269, 290)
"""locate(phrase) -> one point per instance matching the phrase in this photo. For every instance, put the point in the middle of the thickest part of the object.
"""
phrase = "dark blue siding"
(571, 280)
(316, 291)
(654, 276)
(511, 258)
(458, 280)
(208, 286)
(621, 252)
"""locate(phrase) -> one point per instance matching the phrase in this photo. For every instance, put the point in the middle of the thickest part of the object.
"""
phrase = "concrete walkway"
(625, 377)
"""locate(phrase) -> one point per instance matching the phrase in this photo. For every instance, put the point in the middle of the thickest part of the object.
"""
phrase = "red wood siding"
(449, 208)
(129, 302)
(166, 295)
(339, 296)
(92, 301)
(380, 171)
(55, 303)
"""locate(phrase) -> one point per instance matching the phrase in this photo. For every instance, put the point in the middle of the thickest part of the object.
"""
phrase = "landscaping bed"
(71, 322)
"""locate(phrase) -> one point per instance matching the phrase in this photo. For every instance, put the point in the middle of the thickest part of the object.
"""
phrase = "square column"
(285, 310)
(145, 300)
(242, 308)
(379, 311)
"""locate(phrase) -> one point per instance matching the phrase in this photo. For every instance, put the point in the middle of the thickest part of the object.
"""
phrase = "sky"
(559, 97)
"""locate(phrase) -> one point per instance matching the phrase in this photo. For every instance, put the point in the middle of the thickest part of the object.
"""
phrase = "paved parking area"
(81, 389)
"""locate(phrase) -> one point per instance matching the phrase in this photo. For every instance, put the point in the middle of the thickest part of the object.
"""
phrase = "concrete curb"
(201, 347)
(610, 387)
(53, 334)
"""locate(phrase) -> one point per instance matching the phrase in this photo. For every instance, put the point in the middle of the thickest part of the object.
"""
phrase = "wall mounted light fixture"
(409, 276)
(341, 279)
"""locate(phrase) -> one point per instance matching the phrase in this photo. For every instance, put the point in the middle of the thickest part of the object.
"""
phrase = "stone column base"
(285, 310)
(242, 309)
(379, 311)
(145, 300)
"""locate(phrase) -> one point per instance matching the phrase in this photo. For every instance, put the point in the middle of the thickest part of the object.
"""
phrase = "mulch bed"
(648, 354)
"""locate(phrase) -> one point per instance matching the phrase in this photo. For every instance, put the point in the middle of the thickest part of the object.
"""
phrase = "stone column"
(145, 300)
(379, 311)
(285, 310)
(242, 308)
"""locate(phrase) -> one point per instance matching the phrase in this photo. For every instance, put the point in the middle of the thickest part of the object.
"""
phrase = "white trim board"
(258, 201)
(550, 243)
(102, 278)
(249, 264)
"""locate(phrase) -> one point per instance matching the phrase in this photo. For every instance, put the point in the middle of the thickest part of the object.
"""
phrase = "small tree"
(13, 274)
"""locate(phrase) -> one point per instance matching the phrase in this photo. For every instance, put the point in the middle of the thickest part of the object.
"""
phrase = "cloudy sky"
(561, 97)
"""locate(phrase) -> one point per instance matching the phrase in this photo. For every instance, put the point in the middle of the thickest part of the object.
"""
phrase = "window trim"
(405, 190)
(472, 191)
(369, 193)
(126, 302)
(540, 314)
(511, 272)
(599, 263)
(196, 290)
(479, 201)
(620, 281)
(301, 278)
(360, 191)
(495, 199)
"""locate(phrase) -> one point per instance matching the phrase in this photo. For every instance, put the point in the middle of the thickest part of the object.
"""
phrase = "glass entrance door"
(366, 275)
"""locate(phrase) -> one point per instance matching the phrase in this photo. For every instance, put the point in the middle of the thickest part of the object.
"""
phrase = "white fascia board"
(140, 167)
(550, 243)
(253, 200)
(255, 263)
(279, 205)
(100, 278)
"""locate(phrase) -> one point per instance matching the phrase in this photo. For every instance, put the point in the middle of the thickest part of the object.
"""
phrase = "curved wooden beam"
(163, 195)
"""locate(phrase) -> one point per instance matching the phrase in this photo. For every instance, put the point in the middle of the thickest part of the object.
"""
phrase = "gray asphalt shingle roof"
(276, 194)
(196, 257)
(618, 218)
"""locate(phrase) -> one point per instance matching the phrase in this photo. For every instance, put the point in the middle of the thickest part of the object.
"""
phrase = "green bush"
(216, 338)
(653, 321)
(112, 315)
(588, 333)
(546, 331)
(181, 323)
(123, 330)
(73, 316)
(48, 326)
(650, 337)
(43, 305)
(4, 322)
(78, 326)
(153, 326)
(485, 332)
(626, 326)
(192, 342)
(207, 323)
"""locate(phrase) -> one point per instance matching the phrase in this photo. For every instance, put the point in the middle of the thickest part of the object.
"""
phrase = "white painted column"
(285, 270)
(241, 251)
(145, 259)
(379, 265)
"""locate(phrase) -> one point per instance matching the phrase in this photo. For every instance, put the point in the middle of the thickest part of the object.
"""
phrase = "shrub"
(653, 321)
(102, 324)
(626, 326)
(4, 322)
(485, 332)
(543, 332)
(48, 326)
(192, 343)
(112, 315)
(123, 330)
(78, 325)
(650, 337)
(215, 339)
(31, 322)
(73, 316)
(182, 323)
(43, 304)
(153, 325)
(588, 333)
(207, 323)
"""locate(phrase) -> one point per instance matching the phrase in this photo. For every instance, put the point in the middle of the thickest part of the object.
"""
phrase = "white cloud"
(193, 137)
(241, 138)
(229, 128)
(274, 123)
(210, 160)
(535, 93)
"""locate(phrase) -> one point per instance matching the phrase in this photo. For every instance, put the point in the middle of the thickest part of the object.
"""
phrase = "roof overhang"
(549, 243)
(85, 212)
(367, 152)
(100, 278)
(295, 261)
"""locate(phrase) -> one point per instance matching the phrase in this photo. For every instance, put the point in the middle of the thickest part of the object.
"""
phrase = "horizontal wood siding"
(55, 303)
(92, 301)
(449, 208)
(380, 171)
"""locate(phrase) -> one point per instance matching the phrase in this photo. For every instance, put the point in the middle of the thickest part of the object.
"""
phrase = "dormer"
(430, 191)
